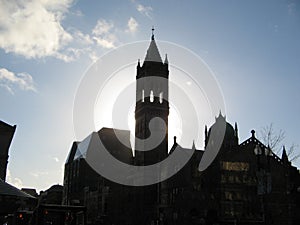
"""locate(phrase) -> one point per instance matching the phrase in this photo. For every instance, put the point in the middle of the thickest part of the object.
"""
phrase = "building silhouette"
(26, 207)
(6, 135)
(14, 203)
(247, 183)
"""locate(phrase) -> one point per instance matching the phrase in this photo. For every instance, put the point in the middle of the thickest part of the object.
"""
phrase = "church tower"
(152, 103)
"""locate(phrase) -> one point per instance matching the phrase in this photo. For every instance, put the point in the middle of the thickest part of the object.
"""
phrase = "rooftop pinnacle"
(152, 52)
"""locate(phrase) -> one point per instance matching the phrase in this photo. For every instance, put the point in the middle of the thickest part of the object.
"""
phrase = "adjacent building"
(6, 135)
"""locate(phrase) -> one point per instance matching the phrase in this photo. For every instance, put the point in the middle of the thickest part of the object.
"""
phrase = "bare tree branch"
(292, 154)
(274, 140)
(271, 138)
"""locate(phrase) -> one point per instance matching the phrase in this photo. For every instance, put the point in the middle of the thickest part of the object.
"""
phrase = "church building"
(247, 183)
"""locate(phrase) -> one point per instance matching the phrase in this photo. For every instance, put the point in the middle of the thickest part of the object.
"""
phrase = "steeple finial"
(166, 60)
(152, 52)
(253, 133)
(152, 37)
(220, 116)
(194, 146)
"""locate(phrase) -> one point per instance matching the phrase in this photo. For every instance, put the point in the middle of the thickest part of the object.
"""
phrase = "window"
(151, 96)
(235, 166)
(228, 195)
(161, 97)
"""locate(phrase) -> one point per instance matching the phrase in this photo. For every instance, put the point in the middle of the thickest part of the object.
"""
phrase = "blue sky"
(46, 46)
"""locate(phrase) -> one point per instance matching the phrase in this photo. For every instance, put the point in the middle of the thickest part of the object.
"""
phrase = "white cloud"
(132, 25)
(8, 175)
(56, 159)
(103, 34)
(291, 7)
(145, 10)
(78, 13)
(82, 38)
(33, 28)
(103, 27)
(107, 42)
(37, 174)
(57, 5)
(71, 54)
(10, 80)
(93, 56)
(17, 182)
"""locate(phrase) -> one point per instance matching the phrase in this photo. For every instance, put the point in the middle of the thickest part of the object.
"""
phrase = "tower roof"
(152, 52)
(284, 156)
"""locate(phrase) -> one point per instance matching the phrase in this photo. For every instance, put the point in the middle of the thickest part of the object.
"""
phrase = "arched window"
(161, 97)
(151, 96)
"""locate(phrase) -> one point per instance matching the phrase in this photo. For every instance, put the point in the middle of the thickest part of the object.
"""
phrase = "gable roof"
(255, 142)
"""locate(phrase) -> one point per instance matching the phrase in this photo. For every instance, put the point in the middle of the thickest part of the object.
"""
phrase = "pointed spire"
(166, 60)
(236, 129)
(220, 116)
(193, 146)
(175, 140)
(284, 156)
(152, 52)
(139, 63)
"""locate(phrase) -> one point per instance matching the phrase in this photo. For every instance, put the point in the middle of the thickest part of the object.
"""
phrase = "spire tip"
(152, 37)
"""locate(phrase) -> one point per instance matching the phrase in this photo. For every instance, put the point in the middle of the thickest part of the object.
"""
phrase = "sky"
(46, 47)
